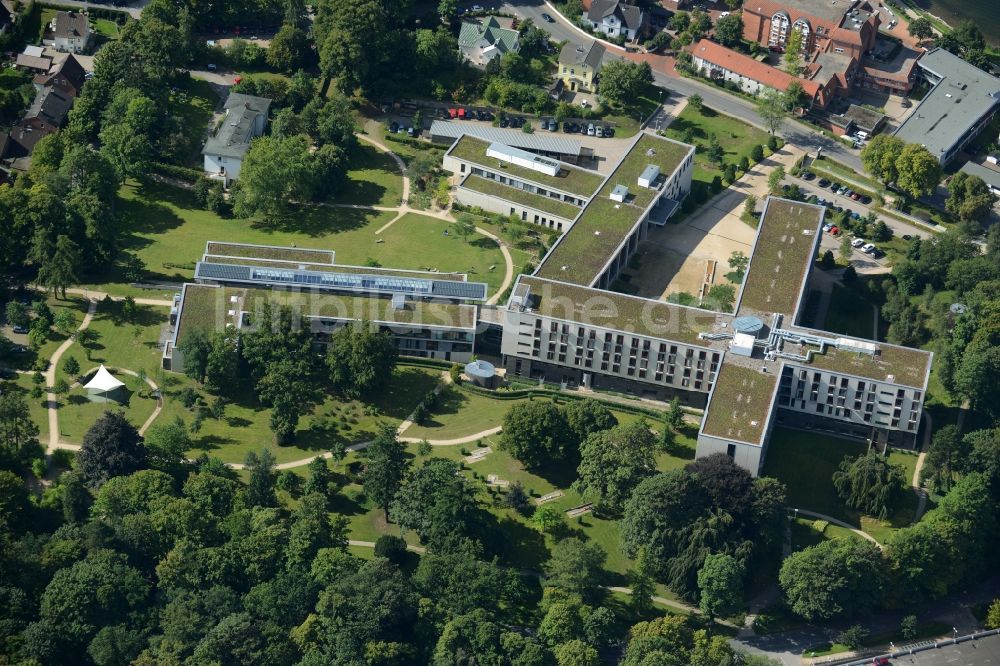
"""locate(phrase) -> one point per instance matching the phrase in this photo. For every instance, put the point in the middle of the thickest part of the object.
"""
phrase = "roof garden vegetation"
(269, 252)
(907, 366)
(335, 268)
(594, 307)
(740, 404)
(599, 231)
(786, 242)
(569, 179)
(543, 203)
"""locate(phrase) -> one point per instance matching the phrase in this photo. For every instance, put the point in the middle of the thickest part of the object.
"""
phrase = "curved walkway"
(404, 208)
(50, 378)
(839, 523)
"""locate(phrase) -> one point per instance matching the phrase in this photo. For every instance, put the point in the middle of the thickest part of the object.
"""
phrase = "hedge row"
(119, 16)
(519, 394)
(183, 173)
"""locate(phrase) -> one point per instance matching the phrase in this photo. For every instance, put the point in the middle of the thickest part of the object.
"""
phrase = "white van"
(862, 135)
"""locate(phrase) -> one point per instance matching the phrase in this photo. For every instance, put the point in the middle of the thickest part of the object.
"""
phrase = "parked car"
(827, 227)
(824, 182)
(855, 216)
(453, 113)
(609, 131)
(821, 201)
(867, 248)
(212, 67)
(591, 130)
(857, 242)
(808, 175)
(877, 253)
(553, 126)
(906, 237)
(547, 18)
(834, 186)
(865, 199)
(599, 132)
(504, 122)
(835, 230)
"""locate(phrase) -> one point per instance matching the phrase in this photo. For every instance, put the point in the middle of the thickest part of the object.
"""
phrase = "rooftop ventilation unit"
(649, 176)
(619, 194)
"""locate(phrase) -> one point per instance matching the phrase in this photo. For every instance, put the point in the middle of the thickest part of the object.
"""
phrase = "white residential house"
(71, 32)
(615, 18)
(245, 120)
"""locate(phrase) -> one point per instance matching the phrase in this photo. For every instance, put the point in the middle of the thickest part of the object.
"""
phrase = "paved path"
(918, 468)
(50, 378)
(839, 523)
(371, 544)
(452, 442)
(95, 296)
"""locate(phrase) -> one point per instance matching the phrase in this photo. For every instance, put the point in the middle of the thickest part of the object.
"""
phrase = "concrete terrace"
(571, 180)
(592, 241)
(787, 239)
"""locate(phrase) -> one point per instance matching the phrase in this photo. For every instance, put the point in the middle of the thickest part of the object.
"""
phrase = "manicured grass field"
(805, 533)
(169, 232)
(806, 461)
(77, 412)
(849, 314)
(736, 138)
(106, 28)
(373, 179)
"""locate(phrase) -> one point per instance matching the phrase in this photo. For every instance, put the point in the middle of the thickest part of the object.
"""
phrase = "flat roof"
(498, 190)
(963, 96)
(293, 276)
(207, 307)
(631, 314)
(740, 404)
(570, 179)
(334, 268)
(583, 251)
(782, 254)
(541, 141)
(273, 252)
(905, 365)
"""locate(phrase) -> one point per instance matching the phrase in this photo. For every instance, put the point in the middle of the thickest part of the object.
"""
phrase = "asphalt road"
(731, 105)
(984, 652)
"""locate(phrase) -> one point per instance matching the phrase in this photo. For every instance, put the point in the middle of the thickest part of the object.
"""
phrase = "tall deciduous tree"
(623, 81)
(111, 447)
(880, 155)
(918, 172)
(575, 567)
(729, 30)
(969, 197)
(720, 580)
(536, 433)
(438, 504)
(921, 28)
(793, 51)
(836, 578)
(613, 462)
(260, 488)
(772, 108)
(361, 358)
(586, 417)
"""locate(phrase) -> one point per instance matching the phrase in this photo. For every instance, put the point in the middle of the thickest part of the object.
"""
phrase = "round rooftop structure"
(480, 372)
(750, 325)
(957, 308)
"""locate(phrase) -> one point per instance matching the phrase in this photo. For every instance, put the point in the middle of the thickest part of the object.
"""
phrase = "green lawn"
(77, 412)
(736, 138)
(106, 28)
(807, 532)
(849, 314)
(374, 179)
(168, 231)
(806, 461)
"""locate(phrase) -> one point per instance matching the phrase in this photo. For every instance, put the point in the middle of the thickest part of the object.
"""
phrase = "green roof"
(740, 404)
(489, 31)
(206, 307)
(594, 307)
(543, 203)
(782, 254)
(335, 268)
(305, 255)
(906, 366)
(582, 250)
(570, 179)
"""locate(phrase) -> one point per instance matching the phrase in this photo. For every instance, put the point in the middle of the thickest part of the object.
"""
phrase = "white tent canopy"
(103, 381)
